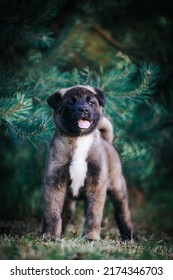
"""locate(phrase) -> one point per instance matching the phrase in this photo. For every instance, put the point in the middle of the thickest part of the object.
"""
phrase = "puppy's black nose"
(83, 109)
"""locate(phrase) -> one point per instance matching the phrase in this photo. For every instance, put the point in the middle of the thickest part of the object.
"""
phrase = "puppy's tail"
(106, 129)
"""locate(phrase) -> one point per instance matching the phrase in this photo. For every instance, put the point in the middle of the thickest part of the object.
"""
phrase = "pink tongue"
(83, 124)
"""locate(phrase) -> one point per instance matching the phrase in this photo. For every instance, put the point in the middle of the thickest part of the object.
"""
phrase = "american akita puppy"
(82, 163)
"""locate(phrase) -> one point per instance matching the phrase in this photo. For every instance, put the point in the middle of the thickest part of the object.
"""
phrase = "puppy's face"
(77, 110)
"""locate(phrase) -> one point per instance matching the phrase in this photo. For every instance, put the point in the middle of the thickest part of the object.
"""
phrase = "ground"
(22, 240)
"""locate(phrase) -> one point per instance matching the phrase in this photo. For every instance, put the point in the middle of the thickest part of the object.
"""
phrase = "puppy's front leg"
(53, 204)
(93, 212)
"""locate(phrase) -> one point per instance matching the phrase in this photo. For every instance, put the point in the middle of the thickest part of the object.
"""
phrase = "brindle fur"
(104, 174)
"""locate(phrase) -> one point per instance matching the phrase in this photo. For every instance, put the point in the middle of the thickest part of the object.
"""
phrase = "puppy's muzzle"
(84, 114)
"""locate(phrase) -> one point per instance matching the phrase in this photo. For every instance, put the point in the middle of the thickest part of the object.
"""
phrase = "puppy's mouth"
(84, 123)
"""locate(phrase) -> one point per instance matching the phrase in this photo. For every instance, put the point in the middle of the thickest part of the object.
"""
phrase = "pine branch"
(106, 36)
(17, 107)
(129, 50)
(135, 150)
(35, 130)
(24, 27)
(136, 84)
(22, 122)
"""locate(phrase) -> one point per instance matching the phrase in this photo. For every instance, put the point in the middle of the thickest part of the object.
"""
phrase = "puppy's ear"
(100, 96)
(54, 100)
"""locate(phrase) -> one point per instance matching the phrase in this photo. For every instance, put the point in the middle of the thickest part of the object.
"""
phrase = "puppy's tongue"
(83, 124)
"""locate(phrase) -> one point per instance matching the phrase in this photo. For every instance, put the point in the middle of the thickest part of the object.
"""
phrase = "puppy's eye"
(71, 101)
(90, 102)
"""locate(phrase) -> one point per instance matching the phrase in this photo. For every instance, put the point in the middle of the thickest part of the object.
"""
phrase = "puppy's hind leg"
(68, 213)
(119, 196)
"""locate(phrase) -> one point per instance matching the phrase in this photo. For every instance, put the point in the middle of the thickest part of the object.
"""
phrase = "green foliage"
(26, 23)
(22, 122)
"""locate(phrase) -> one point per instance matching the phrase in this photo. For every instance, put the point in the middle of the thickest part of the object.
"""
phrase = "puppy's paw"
(131, 235)
(50, 237)
(92, 236)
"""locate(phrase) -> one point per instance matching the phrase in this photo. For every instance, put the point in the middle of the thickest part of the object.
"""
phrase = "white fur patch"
(64, 90)
(89, 88)
(78, 166)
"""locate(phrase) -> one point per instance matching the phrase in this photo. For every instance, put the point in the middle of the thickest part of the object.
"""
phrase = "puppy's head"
(78, 109)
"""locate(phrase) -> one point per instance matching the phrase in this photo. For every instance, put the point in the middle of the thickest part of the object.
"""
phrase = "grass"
(21, 241)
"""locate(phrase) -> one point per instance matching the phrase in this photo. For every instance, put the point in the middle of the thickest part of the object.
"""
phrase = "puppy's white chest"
(78, 166)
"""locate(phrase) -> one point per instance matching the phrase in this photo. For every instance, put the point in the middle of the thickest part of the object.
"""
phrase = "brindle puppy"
(81, 162)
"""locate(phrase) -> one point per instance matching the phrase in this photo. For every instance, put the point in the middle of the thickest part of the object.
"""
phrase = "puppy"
(81, 162)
